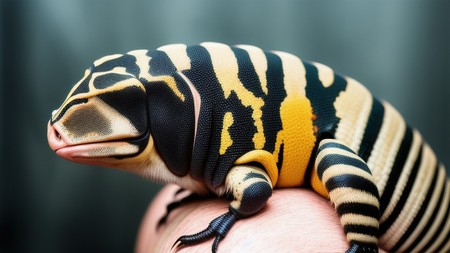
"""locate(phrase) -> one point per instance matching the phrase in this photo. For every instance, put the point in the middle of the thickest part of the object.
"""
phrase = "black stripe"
(322, 99)
(358, 208)
(280, 158)
(309, 169)
(110, 79)
(333, 159)
(252, 175)
(419, 215)
(276, 94)
(431, 220)
(405, 194)
(361, 229)
(253, 199)
(160, 63)
(243, 127)
(443, 243)
(70, 104)
(396, 171)
(83, 87)
(202, 76)
(353, 181)
(440, 228)
(334, 145)
(127, 61)
(372, 130)
(131, 102)
(171, 123)
(247, 73)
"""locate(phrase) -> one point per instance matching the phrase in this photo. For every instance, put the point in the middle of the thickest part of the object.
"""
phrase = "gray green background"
(399, 49)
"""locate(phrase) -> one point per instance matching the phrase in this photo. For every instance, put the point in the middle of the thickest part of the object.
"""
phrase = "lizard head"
(115, 117)
(104, 119)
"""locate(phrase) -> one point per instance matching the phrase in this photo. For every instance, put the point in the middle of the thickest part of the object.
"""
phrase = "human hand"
(294, 220)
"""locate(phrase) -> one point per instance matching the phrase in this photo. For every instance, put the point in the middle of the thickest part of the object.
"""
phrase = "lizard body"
(240, 120)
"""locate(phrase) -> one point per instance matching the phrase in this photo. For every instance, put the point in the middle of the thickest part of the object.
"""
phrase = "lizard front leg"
(251, 188)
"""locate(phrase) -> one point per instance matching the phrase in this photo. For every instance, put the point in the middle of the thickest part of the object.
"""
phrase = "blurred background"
(400, 50)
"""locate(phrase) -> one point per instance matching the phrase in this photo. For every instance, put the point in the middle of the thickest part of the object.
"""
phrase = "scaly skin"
(239, 120)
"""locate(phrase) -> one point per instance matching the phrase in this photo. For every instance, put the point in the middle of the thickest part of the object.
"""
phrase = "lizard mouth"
(88, 152)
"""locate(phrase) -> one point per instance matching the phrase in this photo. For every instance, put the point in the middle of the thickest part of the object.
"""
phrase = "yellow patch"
(178, 55)
(226, 69)
(225, 140)
(296, 114)
(298, 139)
(318, 186)
(266, 159)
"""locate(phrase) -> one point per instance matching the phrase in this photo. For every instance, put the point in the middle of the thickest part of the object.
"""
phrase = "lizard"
(242, 121)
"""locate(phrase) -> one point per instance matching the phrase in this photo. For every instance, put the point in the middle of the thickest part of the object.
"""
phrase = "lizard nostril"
(55, 138)
(58, 136)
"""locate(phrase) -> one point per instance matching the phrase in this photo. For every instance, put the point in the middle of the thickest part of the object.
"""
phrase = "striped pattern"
(251, 100)
(411, 183)
(242, 105)
(414, 204)
(351, 189)
(250, 187)
(419, 193)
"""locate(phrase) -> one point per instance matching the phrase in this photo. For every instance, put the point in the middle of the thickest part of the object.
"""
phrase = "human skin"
(294, 220)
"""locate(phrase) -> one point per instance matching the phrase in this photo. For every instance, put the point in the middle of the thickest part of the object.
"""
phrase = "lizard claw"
(217, 228)
(357, 248)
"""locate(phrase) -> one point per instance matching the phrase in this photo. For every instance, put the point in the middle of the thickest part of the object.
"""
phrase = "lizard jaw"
(89, 153)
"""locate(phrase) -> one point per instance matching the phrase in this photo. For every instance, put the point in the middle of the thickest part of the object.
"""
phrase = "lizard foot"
(217, 228)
